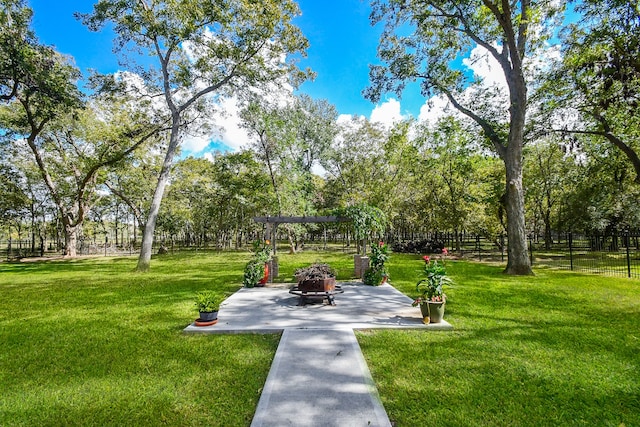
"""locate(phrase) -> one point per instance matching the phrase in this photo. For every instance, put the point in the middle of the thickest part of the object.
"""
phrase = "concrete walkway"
(318, 376)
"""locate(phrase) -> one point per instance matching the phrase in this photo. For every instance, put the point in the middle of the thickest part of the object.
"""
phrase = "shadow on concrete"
(273, 309)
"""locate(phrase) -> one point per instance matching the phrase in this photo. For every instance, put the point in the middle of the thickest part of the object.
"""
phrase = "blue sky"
(342, 45)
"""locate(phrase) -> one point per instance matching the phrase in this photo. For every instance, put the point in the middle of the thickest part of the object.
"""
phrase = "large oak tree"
(600, 77)
(424, 39)
(204, 50)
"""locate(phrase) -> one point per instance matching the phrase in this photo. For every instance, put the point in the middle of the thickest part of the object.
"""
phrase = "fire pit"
(316, 281)
(308, 296)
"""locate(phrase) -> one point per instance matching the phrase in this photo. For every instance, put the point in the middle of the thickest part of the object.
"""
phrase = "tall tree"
(14, 199)
(42, 106)
(18, 46)
(204, 49)
(449, 167)
(442, 31)
(353, 163)
(291, 139)
(601, 193)
(132, 181)
(72, 151)
(599, 76)
(37, 84)
(549, 175)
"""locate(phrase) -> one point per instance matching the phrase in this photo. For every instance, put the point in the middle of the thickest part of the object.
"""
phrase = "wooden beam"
(299, 219)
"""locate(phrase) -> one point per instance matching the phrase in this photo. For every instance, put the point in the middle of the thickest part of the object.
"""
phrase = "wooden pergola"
(272, 223)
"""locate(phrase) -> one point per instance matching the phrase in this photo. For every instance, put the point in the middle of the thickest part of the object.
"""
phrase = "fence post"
(628, 241)
(478, 248)
(571, 250)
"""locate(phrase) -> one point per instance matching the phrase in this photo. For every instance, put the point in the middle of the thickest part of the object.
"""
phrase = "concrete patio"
(272, 309)
(319, 376)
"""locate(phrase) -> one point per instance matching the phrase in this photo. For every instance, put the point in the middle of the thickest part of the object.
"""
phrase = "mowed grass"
(555, 349)
(89, 342)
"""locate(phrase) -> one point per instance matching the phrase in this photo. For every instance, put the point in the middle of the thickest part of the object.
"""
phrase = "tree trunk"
(116, 225)
(70, 241)
(292, 245)
(548, 239)
(518, 262)
(144, 260)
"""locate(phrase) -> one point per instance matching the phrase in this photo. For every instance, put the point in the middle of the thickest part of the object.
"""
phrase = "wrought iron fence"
(603, 253)
(616, 253)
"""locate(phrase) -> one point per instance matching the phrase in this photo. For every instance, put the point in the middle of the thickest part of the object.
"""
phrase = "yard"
(88, 342)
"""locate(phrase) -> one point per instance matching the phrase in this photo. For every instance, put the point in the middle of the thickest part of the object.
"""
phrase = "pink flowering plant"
(431, 287)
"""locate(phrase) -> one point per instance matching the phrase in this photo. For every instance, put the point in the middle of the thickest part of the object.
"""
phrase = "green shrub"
(253, 272)
(373, 277)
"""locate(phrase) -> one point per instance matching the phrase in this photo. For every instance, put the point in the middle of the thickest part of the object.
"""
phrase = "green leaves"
(207, 301)
(203, 43)
(367, 220)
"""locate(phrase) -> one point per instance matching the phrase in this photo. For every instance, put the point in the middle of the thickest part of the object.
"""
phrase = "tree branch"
(488, 129)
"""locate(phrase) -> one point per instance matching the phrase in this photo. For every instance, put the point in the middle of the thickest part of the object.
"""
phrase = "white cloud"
(225, 121)
(231, 133)
(346, 118)
(225, 127)
(195, 144)
(485, 67)
(436, 108)
(387, 113)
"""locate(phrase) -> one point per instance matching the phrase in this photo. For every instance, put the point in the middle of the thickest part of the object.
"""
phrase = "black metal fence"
(616, 254)
(17, 249)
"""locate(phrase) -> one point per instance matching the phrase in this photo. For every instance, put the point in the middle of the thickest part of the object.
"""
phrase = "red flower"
(426, 258)
(445, 251)
(381, 243)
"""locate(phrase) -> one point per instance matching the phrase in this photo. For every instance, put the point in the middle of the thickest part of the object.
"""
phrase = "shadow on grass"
(557, 348)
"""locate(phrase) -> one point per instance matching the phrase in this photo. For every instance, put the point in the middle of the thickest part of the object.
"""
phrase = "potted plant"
(317, 277)
(431, 298)
(256, 272)
(377, 274)
(207, 304)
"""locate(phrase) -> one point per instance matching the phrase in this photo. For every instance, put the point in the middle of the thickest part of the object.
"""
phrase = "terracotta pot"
(265, 277)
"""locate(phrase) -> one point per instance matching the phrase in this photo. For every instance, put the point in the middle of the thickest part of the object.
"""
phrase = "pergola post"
(270, 235)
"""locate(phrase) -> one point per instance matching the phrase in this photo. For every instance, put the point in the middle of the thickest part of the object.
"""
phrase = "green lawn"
(557, 349)
(88, 342)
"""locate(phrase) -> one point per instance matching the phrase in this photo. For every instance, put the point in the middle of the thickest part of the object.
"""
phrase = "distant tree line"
(556, 149)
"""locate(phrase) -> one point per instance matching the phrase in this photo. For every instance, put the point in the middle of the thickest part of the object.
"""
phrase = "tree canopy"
(205, 50)
(535, 154)
(442, 32)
